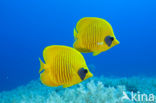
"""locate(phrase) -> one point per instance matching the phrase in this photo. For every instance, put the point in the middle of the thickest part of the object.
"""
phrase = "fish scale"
(63, 69)
(67, 74)
(89, 46)
(57, 70)
(68, 67)
(86, 40)
(60, 70)
(66, 70)
(94, 30)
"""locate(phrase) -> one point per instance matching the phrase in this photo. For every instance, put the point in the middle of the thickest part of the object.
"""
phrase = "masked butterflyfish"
(93, 35)
(64, 66)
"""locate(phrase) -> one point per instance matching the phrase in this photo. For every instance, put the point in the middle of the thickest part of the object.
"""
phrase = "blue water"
(28, 26)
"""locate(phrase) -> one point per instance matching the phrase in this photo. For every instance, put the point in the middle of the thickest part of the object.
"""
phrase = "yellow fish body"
(63, 66)
(94, 35)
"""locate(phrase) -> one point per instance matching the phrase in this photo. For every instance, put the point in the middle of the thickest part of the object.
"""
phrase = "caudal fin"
(41, 66)
(75, 34)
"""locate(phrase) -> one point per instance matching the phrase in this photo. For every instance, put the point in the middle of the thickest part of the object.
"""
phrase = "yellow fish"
(94, 35)
(63, 66)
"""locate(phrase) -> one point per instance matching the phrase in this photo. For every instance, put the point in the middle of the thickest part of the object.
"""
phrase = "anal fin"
(67, 85)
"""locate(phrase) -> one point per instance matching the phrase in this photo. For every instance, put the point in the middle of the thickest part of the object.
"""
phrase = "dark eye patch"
(82, 73)
(108, 40)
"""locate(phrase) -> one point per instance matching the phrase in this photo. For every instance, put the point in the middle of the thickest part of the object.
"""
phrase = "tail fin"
(41, 65)
(75, 34)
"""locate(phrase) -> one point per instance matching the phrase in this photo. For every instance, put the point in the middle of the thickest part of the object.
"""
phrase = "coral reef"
(93, 90)
(142, 84)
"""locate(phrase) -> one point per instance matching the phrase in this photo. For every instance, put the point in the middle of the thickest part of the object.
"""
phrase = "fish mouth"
(89, 75)
(115, 42)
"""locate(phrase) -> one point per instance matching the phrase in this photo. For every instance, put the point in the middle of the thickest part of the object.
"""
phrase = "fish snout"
(116, 42)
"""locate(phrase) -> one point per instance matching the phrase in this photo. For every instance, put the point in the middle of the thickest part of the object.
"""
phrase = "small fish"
(64, 66)
(94, 35)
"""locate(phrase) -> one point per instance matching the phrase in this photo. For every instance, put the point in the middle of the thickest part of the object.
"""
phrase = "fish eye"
(85, 71)
(112, 38)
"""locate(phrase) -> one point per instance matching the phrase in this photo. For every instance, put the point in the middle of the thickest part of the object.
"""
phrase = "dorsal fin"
(82, 23)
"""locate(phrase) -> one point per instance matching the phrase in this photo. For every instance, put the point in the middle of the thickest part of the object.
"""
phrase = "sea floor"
(94, 90)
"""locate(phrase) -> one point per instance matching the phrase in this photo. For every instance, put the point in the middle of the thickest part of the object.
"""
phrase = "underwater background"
(28, 26)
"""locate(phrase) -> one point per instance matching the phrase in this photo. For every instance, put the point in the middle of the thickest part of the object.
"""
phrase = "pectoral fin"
(96, 53)
(66, 85)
